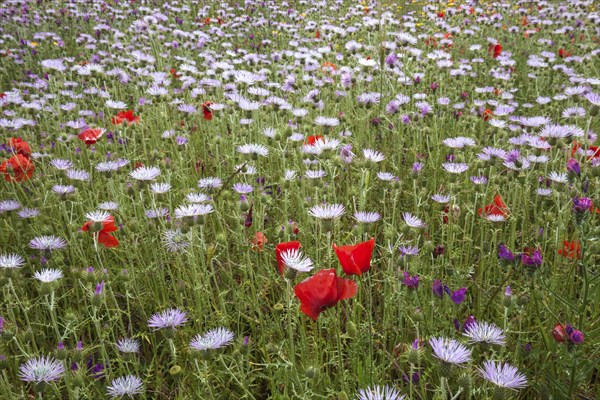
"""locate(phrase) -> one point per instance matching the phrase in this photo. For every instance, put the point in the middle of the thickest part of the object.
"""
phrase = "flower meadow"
(299, 200)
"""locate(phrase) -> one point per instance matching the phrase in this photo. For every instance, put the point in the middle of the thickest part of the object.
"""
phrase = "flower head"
(41, 369)
(213, 339)
(449, 350)
(484, 332)
(322, 291)
(355, 259)
(128, 385)
(379, 393)
(503, 375)
(172, 318)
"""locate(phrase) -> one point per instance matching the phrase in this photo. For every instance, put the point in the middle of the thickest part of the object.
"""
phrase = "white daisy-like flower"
(327, 211)
(310, 174)
(459, 142)
(145, 173)
(495, 217)
(503, 375)
(440, 198)
(544, 192)
(97, 216)
(252, 149)
(290, 175)
(484, 332)
(558, 177)
(386, 176)
(128, 345)
(213, 339)
(78, 175)
(450, 351)
(210, 183)
(160, 187)
(294, 259)
(365, 217)
(197, 198)
(48, 275)
(413, 221)
(455, 168)
(193, 210)
(373, 156)
(129, 386)
(118, 105)
(108, 206)
(327, 121)
(11, 261)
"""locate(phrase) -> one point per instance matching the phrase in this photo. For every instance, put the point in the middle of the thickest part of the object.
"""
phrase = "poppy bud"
(310, 372)
(559, 334)
(174, 370)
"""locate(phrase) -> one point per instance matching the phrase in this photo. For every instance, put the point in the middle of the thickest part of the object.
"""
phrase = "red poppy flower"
(259, 241)
(441, 14)
(280, 248)
(495, 49)
(174, 73)
(595, 151)
(91, 136)
(487, 113)
(497, 207)
(18, 168)
(571, 249)
(206, 111)
(562, 53)
(19, 146)
(322, 291)
(123, 116)
(104, 237)
(355, 259)
(312, 139)
(317, 35)
(559, 334)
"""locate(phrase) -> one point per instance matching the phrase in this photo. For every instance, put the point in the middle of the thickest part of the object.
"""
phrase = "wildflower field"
(299, 200)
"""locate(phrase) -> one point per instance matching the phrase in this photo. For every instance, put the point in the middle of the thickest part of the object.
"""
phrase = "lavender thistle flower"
(213, 339)
(41, 370)
(503, 375)
(450, 351)
(379, 393)
(129, 386)
(171, 318)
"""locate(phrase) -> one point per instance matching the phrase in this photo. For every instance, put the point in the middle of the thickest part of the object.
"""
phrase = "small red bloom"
(571, 249)
(441, 14)
(559, 334)
(495, 49)
(19, 146)
(562, 53)
(206, 111)
(104, 236)
(174, 73)
(312, 139)
(280, 248)
(595, 151)
(317, 35)
(322, 291)
(259, 241)
(18, 168)
(123, 116)
(498, 207)
(355, 259)
(91, 136)
(487, 113)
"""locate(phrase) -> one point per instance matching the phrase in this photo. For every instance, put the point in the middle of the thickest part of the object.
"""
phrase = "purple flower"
(575, 336)
(437, 288)
(582, 204)
(533, 260)
(573, 167)
(99, 288)
(458, 296)
(412, 282)
(391, 59)
(417, 167)
(504, 254)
